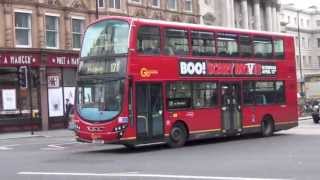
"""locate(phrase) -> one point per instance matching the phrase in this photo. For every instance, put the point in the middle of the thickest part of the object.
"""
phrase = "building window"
(203, 43)
(136, 1)
(172, 4)
(23, 29)
(155, 3)
(318, 40)
(77, 32)
(188, 5)
(301, 21)
(303, 42)
(309, 43)
(114, 4)
(289, 19)
(149, 40)
(310, 61)
(101, 4)
(318, 23)
(52, 31)
(308, 23)
(318, 61)
(304, 60)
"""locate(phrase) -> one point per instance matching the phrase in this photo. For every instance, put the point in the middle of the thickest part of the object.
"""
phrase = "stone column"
(67, 23)
(274, 18)
(41, 26)
(268, 15)
(257, 14)
(229, 14)
(2, 26)
(44, 94)
(9, 25)
(244, 13)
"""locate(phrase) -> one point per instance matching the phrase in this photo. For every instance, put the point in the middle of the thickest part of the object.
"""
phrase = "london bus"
(146, 81)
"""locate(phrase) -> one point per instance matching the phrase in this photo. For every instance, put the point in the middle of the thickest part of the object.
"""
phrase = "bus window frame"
(214, 45)
(275, 38)
(164, 40)
(254, 93)
(137, 38)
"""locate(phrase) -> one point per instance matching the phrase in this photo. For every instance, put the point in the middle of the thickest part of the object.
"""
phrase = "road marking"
(56, 147)
(144, 176)
(8, 147)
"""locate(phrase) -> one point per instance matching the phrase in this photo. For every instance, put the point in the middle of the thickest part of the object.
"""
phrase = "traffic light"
(23, 77)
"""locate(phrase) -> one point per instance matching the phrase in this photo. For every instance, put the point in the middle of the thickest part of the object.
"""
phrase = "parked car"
(315, 114)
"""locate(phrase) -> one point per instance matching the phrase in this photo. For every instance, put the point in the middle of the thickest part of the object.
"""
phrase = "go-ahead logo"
(193, 68)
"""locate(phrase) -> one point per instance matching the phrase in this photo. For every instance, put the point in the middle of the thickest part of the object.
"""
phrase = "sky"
(302, 3)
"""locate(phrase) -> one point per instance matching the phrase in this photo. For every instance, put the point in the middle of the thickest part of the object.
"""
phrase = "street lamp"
(302, 93)
(97, 12)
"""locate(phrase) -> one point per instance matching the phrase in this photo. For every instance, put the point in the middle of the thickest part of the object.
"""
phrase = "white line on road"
(144, 176)
(8, 147)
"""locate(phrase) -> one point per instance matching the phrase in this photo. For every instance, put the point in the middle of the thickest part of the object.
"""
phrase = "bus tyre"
(267, 127)
(316, 120)
(178, 136)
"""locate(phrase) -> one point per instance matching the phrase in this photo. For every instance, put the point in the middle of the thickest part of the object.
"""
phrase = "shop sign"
(63, 60)
(207, 68)
(18, 59)
(53, 81)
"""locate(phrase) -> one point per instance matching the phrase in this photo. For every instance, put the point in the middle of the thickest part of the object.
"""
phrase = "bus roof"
(189, 25)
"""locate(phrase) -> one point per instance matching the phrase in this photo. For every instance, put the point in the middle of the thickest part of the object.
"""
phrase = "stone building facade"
(245, 14)
(39, 46)
(308, 70)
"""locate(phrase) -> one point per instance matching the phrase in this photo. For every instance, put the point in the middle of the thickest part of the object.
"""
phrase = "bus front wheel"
(267, 127)
(178, 136)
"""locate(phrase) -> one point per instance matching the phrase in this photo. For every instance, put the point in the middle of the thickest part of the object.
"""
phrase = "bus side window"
(227, 45)
(203, 43)
(245, 46)
(278, 48)
(176, 42)
(148, 40)
(262, 47)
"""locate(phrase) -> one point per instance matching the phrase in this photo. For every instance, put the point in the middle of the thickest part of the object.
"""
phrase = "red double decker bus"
(147, 81)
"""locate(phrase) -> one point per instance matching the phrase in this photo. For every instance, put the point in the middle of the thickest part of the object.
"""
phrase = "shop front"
(37, 88)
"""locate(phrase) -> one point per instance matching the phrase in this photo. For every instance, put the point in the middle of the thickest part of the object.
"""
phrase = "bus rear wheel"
(267, 127)
(178, 136)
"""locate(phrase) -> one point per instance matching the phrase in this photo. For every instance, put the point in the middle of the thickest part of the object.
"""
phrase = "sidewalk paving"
(38, 134)
(63, 132)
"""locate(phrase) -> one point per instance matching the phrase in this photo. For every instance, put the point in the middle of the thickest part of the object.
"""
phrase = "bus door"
(149, 111)
(231, 109)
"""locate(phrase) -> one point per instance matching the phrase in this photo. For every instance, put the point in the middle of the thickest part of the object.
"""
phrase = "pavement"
(38, 134)
(61, 133)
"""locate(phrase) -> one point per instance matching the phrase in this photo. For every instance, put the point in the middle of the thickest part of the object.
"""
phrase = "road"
(292, 154)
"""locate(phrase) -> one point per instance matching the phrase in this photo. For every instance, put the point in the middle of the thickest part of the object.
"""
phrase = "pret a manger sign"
(207, 68)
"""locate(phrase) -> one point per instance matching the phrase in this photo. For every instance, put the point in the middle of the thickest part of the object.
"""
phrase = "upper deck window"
(227, 44)
(262, 47)
(203, 43)
(176, 42)
(278, 48)
(105, 38)
(245, 46)
(149, 40)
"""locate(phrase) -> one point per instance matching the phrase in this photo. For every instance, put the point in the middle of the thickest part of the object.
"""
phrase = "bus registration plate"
(98, 141)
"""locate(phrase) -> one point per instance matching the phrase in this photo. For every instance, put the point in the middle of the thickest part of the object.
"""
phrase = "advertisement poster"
(69, 97)
(55, 102)
(9, 100)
